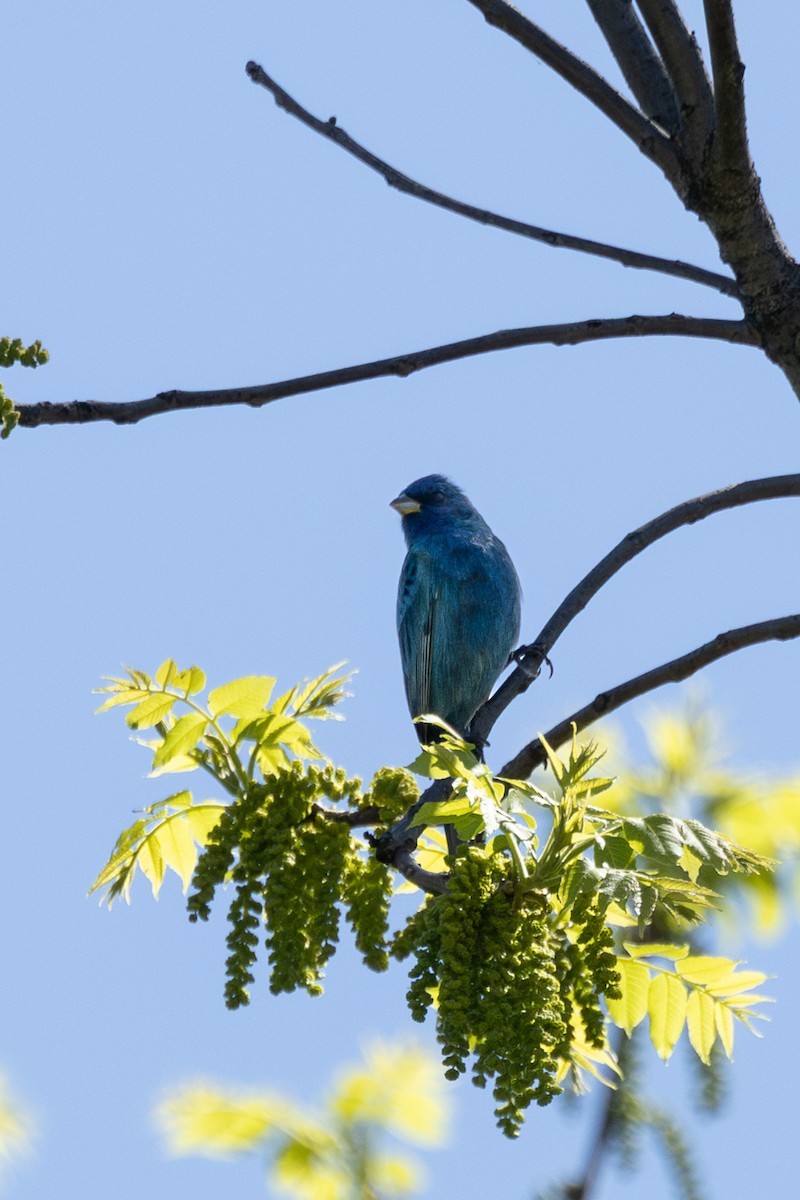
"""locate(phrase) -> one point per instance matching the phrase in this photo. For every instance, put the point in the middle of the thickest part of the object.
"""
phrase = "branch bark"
(652, 142)
(731, 148)
(643, 70)
(333, 132)
(532, 656)
(569, 333)
(675, 671)
(684, 64)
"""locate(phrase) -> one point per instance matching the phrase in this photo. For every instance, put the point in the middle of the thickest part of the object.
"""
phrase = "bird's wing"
(416, 618)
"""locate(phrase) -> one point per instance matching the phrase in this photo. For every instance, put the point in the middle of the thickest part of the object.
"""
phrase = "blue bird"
(458, 604)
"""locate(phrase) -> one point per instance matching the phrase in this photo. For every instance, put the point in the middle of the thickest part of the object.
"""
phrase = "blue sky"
(166, 226)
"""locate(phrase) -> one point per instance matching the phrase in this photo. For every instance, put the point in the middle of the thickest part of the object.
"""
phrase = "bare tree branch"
(432, 882)
(531, 657)
(411, 187)
(364, 817)
(643, 70)
(652, 142)
(533, 755)
(569, 333)
(731, 146)
(684, 63)
(603, 1137)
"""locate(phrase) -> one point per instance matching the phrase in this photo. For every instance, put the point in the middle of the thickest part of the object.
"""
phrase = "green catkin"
(492, 960)
(367, 891)
(287, 862)
(393, 791)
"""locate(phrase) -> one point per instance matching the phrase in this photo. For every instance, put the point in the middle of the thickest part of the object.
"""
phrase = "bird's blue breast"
(458, 614)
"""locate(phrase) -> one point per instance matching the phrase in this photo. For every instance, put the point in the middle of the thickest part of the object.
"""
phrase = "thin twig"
(684, 63)
(369, 816)
(731, 146)
(432, 882)
(643, 70)
(533, 755)
(405, 833)
(551, 237)
(530, 658)
(569, 333)
(651, 140)
(603, 1137)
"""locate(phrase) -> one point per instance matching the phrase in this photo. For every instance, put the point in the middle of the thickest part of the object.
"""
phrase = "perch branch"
(533, 755)
(411, 187)
(369, 816)
(432, 882)
(688, 513)
(570, 333)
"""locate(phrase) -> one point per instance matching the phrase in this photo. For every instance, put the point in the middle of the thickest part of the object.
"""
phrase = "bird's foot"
(523, 656)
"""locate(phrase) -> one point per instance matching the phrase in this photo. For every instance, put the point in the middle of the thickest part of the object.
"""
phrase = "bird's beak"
(405, 505)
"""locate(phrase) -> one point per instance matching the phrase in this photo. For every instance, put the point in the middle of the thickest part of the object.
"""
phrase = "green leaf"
(150, 860)
(180, 739)
(666, 1005)
(176, 848)
(614, 851)
(164, 838)
(631, 1007)
(450, 758)
(190, 682)
(245, 697)
(318, 696)
(444, 812)
(202, 1119)
(558, 767)
(690, 863)
(202, 818)
(151, 711)
(656, 950)
(129, 696)
(166, 673)
(519, 790)
(702, 1024)
(719, 976)
(667, 839)
(724, 1020)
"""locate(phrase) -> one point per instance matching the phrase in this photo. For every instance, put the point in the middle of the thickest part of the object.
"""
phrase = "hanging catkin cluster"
(291, 867)
(504, 981)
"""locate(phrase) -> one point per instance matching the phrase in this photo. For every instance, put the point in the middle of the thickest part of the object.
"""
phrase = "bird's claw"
(522, 655)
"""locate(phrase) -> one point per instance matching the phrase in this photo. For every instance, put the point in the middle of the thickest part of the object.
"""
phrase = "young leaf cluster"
(12, 350)
(699, 992)
(509, 987)
(519, 954)
(281, 838)
(339, 1153)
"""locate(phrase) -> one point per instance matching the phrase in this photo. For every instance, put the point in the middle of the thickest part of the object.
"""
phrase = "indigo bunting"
(458, 604)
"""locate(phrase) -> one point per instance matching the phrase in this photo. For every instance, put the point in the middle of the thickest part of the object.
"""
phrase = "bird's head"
(431, 504)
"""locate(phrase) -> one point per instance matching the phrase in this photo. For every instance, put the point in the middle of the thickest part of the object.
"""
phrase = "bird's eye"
(438, 497)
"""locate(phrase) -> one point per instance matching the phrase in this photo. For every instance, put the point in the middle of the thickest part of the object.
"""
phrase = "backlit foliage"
(339, 1153)
(517, 958)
